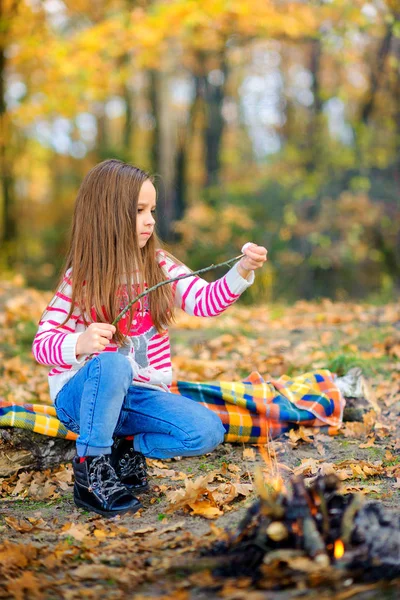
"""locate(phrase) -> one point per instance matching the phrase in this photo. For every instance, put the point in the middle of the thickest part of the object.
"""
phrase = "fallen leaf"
(155, 472)
(249, 454)
(205, 509)
(14, 556)
(75, 530)
(151, 462)
(196, 495)
(95, 572)
(307, 466)
(355, 430)
(172, 527)
(301, 433)
(25, 524)
(353, 489)
(143, 530)
(25, 586)
(369, 444)
(234, 468)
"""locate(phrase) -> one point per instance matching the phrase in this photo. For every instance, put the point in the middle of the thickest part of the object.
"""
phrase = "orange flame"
(338, 549)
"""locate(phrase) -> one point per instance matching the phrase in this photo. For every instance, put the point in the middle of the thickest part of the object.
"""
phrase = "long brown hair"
(104, 249)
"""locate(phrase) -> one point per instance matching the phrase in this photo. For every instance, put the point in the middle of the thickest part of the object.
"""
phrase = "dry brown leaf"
(152, 462)
(234, 468)
(369, 444)
(65, 475)
(24, 479)
(95, 572)
(205, 509)
(100, 534)
(355, 430)
(172, 527)
(193, 490)
(365, 470)
(143, 530)
(162, 472)
(308, 466)
(25, 586)
(243, 489)
(180, 476)
(369, 419)
(224, 494)
(343, 474)
(249, 454)
(16, 555)
(353, 489)
(302, 433)
(75, 530)
(320, 448)
(25, 524)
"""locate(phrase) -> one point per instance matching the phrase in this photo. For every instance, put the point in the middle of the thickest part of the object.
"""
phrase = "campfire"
(309, 532)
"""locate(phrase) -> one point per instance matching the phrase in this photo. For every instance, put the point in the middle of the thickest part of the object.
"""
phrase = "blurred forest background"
(264, 120)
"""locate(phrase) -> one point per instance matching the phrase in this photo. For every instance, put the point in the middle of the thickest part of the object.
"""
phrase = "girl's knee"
(219, 433)
(114, 367)
(209, 436)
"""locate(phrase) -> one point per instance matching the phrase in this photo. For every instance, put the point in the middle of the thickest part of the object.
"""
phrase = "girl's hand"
(254, 259)
(96, 337)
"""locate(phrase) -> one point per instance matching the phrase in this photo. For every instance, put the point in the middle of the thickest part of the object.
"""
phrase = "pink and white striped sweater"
(149, 352)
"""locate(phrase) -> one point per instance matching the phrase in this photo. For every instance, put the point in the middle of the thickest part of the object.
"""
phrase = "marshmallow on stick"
(246, 246)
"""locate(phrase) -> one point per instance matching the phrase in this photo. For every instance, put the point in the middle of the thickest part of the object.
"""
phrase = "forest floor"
(50, 549)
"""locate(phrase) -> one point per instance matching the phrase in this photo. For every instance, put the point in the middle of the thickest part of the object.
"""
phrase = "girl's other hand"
(95, 339)
(254, 259)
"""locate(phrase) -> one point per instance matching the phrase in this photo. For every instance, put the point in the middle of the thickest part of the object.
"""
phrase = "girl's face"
(145, 215)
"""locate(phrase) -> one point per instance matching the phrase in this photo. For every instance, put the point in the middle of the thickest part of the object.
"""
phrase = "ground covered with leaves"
(50, 549)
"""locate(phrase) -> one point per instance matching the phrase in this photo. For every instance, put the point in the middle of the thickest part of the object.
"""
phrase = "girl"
(110, 384)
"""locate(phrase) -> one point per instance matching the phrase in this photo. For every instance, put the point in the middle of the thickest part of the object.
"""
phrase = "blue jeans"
(99, 402)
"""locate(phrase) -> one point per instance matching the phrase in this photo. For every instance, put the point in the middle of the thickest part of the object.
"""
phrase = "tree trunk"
(163, 151)
(213, 96)
(376, 74)
(182, 155)
(102, 134)
(20, 448)
(9, 224)
(314, 129)
(128, 127)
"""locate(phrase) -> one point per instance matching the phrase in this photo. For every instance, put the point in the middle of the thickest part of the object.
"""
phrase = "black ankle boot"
(98, 488)
(129, 465)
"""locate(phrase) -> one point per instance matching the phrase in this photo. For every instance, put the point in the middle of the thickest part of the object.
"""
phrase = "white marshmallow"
(245, 246)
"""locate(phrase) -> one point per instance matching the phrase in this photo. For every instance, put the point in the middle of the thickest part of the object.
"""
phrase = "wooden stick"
(348, 517)
(227, 262)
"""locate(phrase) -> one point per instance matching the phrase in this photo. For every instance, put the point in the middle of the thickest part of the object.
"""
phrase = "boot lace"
(133, 463)
(103, 479)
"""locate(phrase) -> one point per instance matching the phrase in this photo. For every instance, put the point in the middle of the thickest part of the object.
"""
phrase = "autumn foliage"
(272, 121)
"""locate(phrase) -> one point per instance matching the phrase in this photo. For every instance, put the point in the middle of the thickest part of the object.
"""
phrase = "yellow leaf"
(205, 509)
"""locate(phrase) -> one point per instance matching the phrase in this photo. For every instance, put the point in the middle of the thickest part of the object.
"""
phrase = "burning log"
(313, 529)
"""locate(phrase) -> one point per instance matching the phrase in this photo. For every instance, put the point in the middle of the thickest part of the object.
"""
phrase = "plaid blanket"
(252, 410)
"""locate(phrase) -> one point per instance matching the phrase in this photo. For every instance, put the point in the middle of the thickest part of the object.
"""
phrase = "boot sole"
(106, 513)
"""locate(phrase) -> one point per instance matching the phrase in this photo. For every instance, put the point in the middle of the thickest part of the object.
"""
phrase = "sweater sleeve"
(197, 297)
(54, 344)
